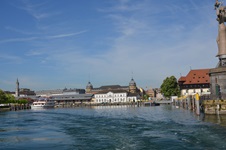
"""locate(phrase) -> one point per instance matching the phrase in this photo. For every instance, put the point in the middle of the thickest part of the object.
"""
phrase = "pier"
(14, 107)
(202, 104)
(193, 103)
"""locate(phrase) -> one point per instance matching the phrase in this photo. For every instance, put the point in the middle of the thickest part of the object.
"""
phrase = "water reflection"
(216, 119)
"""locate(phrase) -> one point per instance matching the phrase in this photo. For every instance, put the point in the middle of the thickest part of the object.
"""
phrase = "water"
(111, 128)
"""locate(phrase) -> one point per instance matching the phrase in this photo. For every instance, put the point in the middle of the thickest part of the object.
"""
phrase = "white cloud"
(21, 31)
(152, 39)
(18, 39)
(36, 9)
(65, 35)
(25, 39)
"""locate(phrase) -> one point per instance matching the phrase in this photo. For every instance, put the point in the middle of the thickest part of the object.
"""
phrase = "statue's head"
(218, 4)
(221, 15)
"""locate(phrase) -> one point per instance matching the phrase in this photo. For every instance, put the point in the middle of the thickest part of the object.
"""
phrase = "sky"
(53, 44)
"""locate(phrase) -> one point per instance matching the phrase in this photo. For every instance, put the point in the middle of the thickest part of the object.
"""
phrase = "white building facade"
(203, 91)
(196, 81)
(114, 97)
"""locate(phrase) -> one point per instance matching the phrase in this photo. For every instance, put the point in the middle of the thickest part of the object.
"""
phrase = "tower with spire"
(17, 93)
(132, 86)
(89, 87)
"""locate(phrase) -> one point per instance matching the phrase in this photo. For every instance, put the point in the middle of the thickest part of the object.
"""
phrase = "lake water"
(111, 128)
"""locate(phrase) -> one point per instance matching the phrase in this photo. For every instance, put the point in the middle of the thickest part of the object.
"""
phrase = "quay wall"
(214, 107)
(14, 107)
(87, 104)
(202, 104)
(193, 103)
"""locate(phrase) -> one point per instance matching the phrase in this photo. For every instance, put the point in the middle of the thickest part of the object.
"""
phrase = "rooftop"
(199, 76)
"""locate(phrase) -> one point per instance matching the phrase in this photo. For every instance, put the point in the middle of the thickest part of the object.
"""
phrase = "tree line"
(8, 98)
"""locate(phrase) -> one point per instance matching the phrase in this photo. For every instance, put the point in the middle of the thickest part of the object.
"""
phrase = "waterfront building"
(115, 96)
(115, 93)
(151, 92)
(24, 92)
(65, 91)
(158, 94)
(21, 92)
(91, 90)
(71, 98)
(132, 88)
(196, 81)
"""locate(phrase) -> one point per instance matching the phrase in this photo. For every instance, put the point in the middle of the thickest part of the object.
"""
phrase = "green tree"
(146, 97)
(10, 98)
(170, 87)
(3, 97)
(22, 101)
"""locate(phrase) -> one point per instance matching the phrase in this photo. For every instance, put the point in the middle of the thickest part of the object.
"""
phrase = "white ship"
(43, 103)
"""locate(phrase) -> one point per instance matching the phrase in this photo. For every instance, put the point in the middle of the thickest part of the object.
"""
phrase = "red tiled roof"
(182, 78)
(200, 76)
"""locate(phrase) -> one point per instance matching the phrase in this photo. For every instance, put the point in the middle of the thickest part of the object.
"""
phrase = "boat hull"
(37, 107)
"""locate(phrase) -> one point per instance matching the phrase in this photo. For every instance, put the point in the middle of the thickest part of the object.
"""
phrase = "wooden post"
(193, 103)
(197, 104)
(189, 102)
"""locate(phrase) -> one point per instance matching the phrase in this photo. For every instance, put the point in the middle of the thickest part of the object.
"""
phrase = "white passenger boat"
(43, 104)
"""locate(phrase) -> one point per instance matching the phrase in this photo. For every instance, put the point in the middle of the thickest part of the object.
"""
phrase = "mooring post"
(193, 103)
(197, 104)
(189, 102)
(218, 109)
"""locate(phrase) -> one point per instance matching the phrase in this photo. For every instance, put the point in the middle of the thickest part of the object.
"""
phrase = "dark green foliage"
(145, 97)
(170, 87)
(2, 97)
(8, 98)
(22, 101)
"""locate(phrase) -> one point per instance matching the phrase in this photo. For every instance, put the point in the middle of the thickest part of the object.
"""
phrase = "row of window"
(115, 95)
(194, 86)
(196, 90)
(116, 100)
(104, 101)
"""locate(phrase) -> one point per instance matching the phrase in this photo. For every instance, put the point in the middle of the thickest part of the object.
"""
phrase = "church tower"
(132, 86)
(17, 93)
(89, 87)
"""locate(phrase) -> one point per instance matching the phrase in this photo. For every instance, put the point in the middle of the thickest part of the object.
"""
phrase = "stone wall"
(214, 106)
(218, 76)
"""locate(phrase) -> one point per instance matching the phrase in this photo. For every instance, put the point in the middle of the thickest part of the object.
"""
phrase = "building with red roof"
(196, 81)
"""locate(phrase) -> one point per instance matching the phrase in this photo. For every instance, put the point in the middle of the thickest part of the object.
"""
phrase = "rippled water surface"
(111, 128)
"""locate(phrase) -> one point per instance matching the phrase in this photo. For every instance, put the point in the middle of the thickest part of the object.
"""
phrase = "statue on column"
(221, 39)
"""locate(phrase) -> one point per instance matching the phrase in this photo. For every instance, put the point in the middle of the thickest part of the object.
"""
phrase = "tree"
(10, 98)
(2, 97)
(170, 87)
(146, 97)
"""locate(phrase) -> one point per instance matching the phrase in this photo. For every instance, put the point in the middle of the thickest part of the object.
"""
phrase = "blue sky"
(52, 44)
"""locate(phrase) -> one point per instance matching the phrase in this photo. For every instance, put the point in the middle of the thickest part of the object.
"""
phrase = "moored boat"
(151, 104)
(43, 103)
